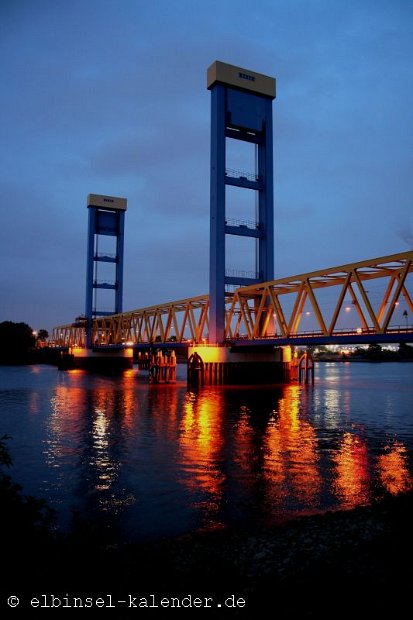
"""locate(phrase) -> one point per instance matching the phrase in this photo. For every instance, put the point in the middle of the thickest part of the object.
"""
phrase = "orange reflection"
(291, 453)
(67, 405)
(351, 463)
(73, 372)
(129, 403)
(393, 470)
(201, 443)
(165, 404)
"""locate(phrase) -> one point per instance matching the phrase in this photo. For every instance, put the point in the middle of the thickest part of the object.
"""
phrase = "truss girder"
(270, 299)
(262, 310)
(183, 320)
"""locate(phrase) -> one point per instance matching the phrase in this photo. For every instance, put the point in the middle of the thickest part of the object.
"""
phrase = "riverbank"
(355, 558)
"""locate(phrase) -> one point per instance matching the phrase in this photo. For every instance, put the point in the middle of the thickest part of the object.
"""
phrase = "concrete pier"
(215, 365)
(101, 360)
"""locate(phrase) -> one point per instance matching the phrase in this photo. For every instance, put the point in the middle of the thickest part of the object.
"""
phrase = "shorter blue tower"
(106, 219)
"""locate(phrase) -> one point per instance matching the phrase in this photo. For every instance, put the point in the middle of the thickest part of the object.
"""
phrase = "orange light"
(393, 470)
(76, 350)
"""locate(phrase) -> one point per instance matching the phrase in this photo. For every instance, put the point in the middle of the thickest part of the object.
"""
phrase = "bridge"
(248, 320)
(358, 303)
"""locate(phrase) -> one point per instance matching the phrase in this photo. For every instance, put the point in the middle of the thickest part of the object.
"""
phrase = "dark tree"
(405, 351)
(374, 352)
(43, 335)
(16, 342)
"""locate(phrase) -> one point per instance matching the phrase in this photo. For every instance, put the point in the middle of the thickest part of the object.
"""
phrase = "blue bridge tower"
(241, 109)
(104, 260)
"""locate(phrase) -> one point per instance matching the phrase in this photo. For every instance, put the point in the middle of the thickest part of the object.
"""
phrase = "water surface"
(144, 461)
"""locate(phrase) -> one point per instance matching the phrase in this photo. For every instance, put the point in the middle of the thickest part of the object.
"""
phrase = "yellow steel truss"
(178, 321)
(258, 311)
(262, 310)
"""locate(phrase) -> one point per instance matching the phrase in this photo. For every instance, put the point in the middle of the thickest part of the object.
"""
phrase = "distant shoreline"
(392, 357)
(341, 359)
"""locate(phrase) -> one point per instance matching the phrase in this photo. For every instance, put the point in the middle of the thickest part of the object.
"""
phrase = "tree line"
(17, 342)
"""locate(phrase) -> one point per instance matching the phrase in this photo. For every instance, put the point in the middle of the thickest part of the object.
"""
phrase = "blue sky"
(109, 97)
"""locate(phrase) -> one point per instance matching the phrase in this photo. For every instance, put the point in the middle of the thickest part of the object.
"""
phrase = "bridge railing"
(357, 336)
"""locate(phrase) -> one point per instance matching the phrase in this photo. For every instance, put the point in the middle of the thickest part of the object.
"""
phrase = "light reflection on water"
(352, 471)
(393, 470)
(147, 460)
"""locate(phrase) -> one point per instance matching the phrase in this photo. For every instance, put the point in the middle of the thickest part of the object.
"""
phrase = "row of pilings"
(162, 368)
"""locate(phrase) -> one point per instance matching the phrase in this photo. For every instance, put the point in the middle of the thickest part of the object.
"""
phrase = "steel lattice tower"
(241, 109)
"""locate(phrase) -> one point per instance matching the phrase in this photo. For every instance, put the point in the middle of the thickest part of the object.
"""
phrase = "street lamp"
(406, 316)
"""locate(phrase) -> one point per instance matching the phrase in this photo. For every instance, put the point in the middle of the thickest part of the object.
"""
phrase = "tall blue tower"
(104, 275)
(241, 109)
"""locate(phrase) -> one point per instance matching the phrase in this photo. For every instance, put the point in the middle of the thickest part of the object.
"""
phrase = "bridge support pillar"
(216, 365)
(103, 360)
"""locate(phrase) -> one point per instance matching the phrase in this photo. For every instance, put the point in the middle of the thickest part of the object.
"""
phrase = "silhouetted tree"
(374, 352)
(405, 351)
(16, 341)
(43, 335)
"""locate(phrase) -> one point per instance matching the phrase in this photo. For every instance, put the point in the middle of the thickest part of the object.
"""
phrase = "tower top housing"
(240, 78)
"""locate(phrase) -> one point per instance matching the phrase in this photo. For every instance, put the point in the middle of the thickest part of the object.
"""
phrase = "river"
(146, 461)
